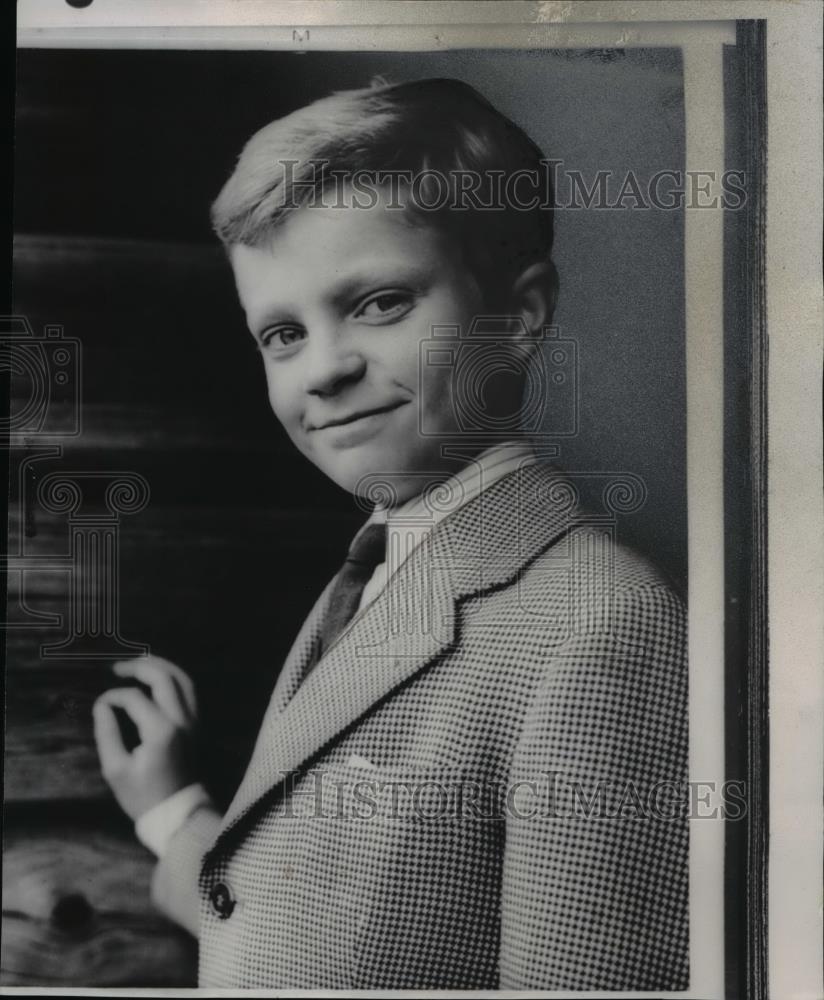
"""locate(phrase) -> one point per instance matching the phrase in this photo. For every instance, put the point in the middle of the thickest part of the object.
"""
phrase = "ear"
(534, 294)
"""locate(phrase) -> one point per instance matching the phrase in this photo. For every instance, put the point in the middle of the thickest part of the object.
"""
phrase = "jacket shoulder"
(604, 596)
(591, 549)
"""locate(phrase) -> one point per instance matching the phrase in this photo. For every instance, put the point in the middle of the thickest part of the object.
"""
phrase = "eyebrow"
(369, 273)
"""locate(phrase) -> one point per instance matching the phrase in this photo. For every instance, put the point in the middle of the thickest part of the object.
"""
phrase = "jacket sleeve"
(595, 873)
(174, 888)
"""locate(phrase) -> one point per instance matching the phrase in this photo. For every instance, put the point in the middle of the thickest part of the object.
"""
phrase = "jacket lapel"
(294, 667)
(484, 544)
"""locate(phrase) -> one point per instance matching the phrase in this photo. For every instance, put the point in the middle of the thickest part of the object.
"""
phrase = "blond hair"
(423, 129)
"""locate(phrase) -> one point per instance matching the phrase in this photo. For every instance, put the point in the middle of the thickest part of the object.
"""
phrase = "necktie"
(367, 551)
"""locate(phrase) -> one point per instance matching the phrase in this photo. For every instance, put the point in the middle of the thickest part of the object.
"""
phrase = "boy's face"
(339, 302)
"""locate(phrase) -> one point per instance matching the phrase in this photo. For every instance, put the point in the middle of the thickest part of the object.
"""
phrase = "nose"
(332, 363)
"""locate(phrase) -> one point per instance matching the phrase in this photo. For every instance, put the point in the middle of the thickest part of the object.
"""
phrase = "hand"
(162, 763)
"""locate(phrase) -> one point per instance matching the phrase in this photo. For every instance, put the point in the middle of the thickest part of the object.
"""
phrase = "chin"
(381, 476)
(353, 469)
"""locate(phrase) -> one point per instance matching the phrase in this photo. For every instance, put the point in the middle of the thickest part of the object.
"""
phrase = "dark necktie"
(367, 551)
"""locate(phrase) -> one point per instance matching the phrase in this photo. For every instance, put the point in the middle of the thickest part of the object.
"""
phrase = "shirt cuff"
(156, 827)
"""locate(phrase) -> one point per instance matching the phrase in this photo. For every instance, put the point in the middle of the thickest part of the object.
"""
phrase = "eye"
(278, 337)
(386, 305)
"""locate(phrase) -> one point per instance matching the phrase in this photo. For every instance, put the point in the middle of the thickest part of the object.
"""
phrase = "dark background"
(118, 155)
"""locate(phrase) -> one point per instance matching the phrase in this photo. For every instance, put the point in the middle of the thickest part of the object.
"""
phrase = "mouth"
(352, 418)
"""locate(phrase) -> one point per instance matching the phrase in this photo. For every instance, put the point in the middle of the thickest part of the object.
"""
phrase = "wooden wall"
(216, 571)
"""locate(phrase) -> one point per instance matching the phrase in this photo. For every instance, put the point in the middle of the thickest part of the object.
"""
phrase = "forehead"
(316, 249)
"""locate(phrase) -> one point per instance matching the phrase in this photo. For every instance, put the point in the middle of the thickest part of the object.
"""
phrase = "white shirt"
(406, 527)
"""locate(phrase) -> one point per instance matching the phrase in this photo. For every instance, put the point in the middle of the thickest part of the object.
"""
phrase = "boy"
(456, 783)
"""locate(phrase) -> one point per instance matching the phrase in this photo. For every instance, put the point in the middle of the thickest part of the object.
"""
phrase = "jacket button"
(222, 901)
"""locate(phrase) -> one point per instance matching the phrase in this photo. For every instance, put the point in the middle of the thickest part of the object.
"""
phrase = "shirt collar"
(410, 522)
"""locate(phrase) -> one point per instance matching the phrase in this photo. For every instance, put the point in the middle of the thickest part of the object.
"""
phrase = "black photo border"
(746, 629)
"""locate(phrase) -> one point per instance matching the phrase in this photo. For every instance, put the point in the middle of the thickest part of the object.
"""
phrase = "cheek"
(396, 355)
(437, 386)
(282, 401)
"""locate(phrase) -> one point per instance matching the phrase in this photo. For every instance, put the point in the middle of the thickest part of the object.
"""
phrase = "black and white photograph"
(390, 596)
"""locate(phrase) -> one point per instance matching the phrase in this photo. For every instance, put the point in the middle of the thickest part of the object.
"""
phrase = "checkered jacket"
(474, 786)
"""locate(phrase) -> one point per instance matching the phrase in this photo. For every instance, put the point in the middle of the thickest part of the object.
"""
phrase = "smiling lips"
(360, 415)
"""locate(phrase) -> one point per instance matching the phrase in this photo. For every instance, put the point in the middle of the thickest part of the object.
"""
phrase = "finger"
(183, 684)
(165, 692)
(157, 666)
(148, 718)
(107, 736)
